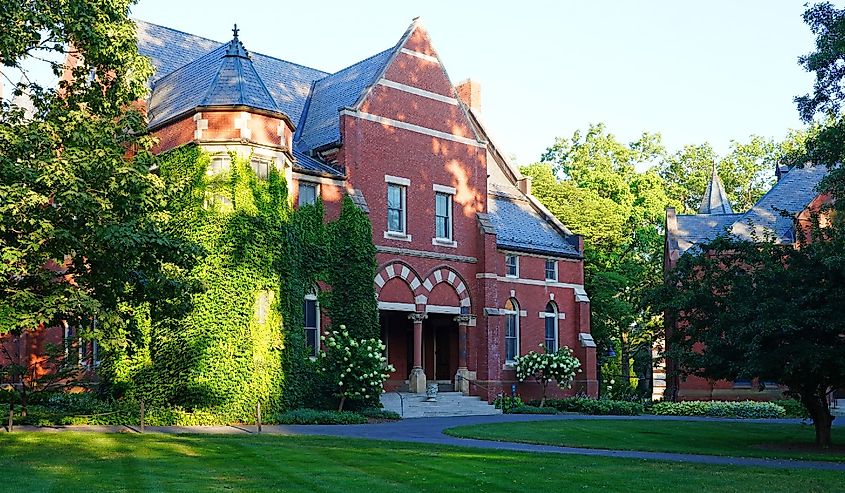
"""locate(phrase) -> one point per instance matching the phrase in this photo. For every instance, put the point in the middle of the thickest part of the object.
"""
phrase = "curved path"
(430, 431)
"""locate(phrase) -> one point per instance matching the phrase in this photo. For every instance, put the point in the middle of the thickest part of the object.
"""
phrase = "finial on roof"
(236, 48)
(715, 200)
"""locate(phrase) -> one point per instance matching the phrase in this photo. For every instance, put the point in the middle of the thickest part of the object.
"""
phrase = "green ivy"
(241, 341)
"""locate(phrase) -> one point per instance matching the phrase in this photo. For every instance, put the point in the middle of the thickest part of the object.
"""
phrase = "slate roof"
(304, 161)
(792, 193)
(321, 124)
(519, 226)
(288, 83)
(715, 200)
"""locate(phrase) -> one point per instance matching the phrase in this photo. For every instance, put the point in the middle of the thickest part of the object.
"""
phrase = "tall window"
(551, 269)
(551, 327)
(512, 264)
(312, 322)
(443, 216)
(511, 313)
(261, 167)
(395, 208)
(307, 193)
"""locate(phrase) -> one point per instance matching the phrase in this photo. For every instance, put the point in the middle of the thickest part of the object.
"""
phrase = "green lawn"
(86, 462)
(694, 437)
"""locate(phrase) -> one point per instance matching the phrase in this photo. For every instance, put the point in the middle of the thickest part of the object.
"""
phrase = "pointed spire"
(715, 200)
(236, 48)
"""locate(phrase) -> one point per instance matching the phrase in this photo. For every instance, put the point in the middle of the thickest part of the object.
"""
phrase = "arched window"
(312, 322)
(511, 313)
(551, 327)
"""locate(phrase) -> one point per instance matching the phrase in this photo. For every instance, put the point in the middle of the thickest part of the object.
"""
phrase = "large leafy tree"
(793, 332)
(83, 227)
(592, 183)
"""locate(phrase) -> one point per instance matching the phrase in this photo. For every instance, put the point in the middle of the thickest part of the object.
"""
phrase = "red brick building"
(794, 193)
(473, 270)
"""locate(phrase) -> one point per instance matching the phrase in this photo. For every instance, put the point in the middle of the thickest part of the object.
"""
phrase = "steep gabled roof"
(698, 228)
(320, 123)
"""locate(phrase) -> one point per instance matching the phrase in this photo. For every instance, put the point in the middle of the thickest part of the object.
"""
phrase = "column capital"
(464, 319)
(417, 317)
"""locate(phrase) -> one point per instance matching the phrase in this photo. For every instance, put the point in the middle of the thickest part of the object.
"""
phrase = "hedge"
(318, 417)
(524, 409)
(719, 409)
(593, 406)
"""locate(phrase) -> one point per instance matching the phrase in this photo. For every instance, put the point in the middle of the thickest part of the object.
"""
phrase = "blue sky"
(694, 71)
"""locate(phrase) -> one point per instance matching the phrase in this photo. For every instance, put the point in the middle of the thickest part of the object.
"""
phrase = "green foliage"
(719, 409)
(602, 407)
(356, 367)
(379, 414)
(505, 402)
(560, 366)
(523, 409)
(793, 408)
(790, 334)
(318, 417)
(352, 257)
(71, 197)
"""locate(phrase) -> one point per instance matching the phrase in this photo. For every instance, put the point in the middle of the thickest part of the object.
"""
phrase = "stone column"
(416, 380)
(463, 376)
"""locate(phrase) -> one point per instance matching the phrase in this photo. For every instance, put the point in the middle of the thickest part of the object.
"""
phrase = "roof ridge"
(134, 19)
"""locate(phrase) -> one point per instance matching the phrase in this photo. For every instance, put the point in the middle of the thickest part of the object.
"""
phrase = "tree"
(764, 311)
(592, 183)
(560, 366)
(83, 227)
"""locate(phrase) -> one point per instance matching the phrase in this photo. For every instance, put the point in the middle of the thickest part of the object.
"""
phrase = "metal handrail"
(472, 382)
(401, 403)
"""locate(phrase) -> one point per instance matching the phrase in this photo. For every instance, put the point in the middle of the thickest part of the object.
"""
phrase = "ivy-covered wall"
(241, 340)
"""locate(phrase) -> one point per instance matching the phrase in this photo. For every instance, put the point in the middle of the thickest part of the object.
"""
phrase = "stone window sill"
(444, 242)
(393, 235)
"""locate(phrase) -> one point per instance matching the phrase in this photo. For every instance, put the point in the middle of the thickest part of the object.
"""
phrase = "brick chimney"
(470, 93)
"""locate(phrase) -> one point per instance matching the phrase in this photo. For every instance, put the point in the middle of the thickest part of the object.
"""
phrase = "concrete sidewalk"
(430, 431)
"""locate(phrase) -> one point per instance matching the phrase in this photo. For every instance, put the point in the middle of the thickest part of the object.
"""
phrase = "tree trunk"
(543, 399)
(816, 405)
(24, 399)
(342, 400)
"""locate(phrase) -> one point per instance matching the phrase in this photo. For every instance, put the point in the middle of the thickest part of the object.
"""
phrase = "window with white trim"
(311, 308)
(443, 216)
(550, 320)
(307, 193)
(260, 166)
(511, 313)
(396, 199)
(512, 264)
(551, 269)
(219, 164)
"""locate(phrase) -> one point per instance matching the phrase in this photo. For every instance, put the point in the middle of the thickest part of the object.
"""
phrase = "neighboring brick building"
(794, 193)
(473, 270)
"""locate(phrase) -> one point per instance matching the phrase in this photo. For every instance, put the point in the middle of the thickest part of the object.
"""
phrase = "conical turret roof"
(715, 200)
(223, 77)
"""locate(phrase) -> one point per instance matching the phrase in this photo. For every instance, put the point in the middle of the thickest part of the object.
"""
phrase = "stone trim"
(417, 91)
(423, 56)
(426, 254)
(412, 128)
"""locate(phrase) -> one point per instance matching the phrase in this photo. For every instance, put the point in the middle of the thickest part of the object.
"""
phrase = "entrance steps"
(411, 405)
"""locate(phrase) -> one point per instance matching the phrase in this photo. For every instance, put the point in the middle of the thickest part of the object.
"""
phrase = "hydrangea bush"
(560, 366)
(357, 367)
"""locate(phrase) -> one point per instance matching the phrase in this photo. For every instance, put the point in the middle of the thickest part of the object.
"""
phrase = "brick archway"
(449, 276)
(395, 269)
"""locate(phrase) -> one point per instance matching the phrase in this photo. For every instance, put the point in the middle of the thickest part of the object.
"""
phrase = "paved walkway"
(430, 431)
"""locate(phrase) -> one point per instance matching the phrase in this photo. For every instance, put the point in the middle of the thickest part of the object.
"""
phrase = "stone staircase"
(411, 405)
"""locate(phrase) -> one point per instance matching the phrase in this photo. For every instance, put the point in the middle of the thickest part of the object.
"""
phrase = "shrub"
(523, 409)
(357, 366)
(603, 407)
(376, 413)
(506, 402)
(719, 409)
(560, 366)
(317, 417)
(793, 408)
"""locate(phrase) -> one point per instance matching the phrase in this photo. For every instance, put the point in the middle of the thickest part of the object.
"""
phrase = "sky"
(693, 71)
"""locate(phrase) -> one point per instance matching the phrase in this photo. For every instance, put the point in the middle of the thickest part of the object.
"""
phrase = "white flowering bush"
(560, 366)
(357, 367)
